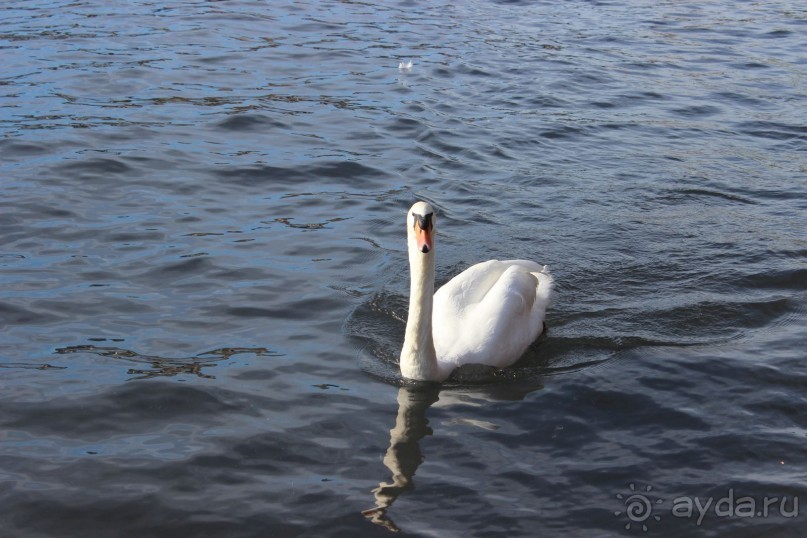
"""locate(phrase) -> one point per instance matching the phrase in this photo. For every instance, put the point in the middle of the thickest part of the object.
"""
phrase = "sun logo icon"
(638, 507)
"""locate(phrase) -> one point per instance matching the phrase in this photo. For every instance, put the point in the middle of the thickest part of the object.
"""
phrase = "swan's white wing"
(491, 312)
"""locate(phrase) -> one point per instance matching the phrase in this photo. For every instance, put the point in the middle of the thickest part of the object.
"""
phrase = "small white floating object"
(405, 66)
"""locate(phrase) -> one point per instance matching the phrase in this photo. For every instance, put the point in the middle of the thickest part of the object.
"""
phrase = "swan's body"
(488, 314)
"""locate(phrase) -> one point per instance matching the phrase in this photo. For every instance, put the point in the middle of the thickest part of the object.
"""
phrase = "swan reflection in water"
(403, 456)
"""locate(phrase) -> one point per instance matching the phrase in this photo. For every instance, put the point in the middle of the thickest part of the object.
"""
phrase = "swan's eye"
(424, 222)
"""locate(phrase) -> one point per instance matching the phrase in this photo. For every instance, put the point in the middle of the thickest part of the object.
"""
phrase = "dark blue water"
(203, 276)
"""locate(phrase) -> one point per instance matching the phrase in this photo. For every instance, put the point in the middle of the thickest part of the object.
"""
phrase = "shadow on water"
(168, 366)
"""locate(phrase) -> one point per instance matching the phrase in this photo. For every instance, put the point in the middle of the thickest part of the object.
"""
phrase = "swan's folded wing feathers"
(471, 286)
(510, 300)
(491, 312)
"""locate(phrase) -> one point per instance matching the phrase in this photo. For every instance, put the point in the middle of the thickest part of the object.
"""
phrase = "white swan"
(488, 314)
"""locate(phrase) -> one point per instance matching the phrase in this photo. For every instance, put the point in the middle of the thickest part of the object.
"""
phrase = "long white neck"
(418, 359)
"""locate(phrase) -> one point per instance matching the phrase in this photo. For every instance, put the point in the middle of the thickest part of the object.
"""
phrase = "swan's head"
(420, 228)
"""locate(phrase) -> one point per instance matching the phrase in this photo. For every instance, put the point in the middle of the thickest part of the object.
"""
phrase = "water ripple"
(187, 177)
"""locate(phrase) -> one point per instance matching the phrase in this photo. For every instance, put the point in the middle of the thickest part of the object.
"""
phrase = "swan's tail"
(545, 291)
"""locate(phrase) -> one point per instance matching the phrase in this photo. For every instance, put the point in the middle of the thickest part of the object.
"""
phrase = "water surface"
(204, 279)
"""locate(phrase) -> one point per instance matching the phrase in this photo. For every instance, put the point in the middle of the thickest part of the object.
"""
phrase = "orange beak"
(423, 237)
